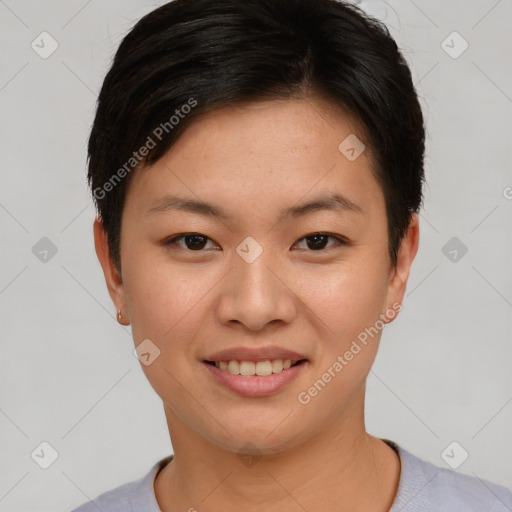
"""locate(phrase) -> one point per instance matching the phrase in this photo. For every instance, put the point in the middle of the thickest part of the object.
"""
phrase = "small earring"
(119, 316)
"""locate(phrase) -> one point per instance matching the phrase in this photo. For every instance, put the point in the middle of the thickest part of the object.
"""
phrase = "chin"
(259, 441)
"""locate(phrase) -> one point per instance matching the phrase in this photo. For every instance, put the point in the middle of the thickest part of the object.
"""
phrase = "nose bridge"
(254, 279)
(256, 294)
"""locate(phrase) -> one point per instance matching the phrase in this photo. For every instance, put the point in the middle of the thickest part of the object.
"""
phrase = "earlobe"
(112, 274)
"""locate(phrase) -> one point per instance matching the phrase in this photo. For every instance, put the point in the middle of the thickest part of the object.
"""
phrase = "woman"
(258, 170)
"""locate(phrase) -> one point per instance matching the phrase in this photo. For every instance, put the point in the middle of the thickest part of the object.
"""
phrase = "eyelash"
(174, 239)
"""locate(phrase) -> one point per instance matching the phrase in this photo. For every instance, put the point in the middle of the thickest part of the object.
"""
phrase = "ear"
(400, 272)
(112, 274)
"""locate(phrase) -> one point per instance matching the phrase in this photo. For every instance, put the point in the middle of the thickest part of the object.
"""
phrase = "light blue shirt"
(423, 487)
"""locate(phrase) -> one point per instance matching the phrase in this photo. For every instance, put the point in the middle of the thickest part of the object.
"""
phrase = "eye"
(317, 241)
(193, 241)
(198, 242)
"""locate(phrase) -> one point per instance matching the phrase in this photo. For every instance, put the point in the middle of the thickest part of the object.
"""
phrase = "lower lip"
(254, 385)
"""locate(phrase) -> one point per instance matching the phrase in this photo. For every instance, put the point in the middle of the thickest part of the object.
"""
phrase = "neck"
(341, 468)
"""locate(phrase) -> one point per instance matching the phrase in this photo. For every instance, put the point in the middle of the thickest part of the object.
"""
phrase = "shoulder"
(133, 496)
(425, 487)
(115, 500)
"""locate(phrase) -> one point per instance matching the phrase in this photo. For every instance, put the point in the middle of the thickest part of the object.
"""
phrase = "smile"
(255, 378)
(259, 368)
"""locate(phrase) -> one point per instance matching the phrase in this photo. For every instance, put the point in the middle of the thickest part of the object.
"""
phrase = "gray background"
(68, 375)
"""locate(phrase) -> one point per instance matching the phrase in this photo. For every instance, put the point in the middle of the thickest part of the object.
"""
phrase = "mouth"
(260, 378)
(256, 368)
(255, 371)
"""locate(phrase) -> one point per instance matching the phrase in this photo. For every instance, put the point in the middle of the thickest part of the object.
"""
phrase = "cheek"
(164, 306)
(160, 296)
(347, 297)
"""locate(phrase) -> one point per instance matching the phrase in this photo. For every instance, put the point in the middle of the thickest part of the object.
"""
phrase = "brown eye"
(192, 241)
(318, 241)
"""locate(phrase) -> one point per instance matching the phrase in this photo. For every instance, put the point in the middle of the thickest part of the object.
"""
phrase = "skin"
(253, 160)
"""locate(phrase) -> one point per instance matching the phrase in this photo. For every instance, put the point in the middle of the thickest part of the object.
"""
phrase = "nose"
(256, 294)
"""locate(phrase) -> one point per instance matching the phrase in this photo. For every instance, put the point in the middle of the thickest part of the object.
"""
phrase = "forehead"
(263, 155)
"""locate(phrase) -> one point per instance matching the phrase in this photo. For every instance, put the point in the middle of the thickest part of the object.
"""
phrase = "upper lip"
(255, 354)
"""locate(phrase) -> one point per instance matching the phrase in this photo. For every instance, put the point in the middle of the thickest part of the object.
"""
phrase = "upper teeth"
(261, 368)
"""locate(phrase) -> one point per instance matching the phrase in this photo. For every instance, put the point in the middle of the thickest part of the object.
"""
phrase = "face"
(287, 260)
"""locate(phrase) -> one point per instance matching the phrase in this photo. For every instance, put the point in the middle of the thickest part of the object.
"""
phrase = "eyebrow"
(333, 202)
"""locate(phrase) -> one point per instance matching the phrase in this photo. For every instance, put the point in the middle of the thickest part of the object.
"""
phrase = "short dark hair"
(189, 57)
